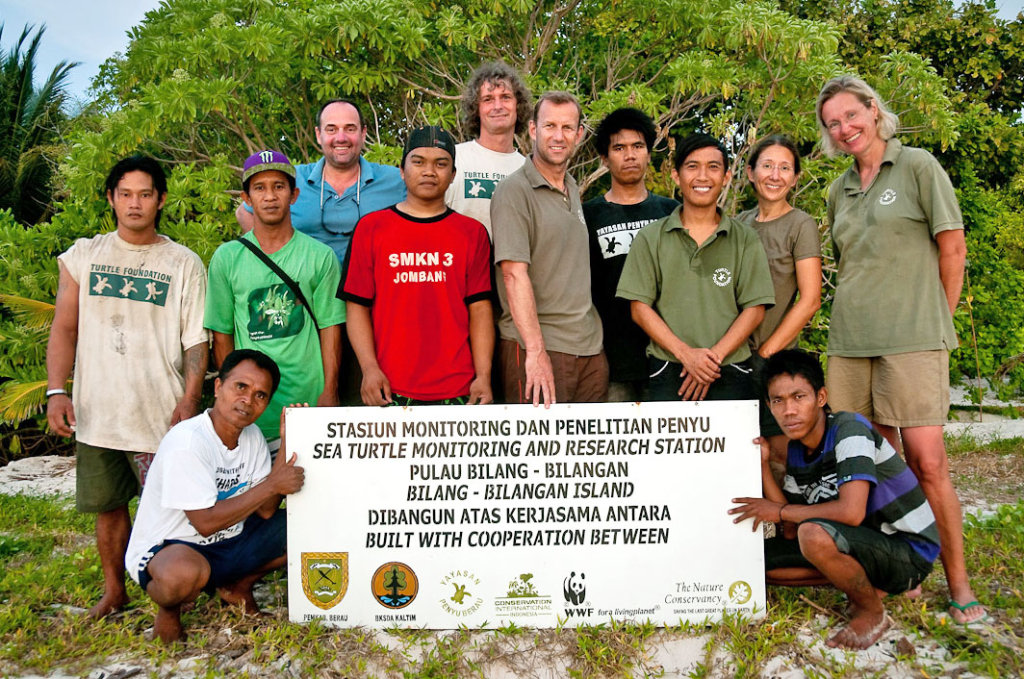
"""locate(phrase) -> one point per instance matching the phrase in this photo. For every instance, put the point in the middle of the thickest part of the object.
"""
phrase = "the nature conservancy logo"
(574, 590)
(739, 593)
(722, 277)
(888, 197)
(394, 585)
(460, 593)
(325, 577)
(523, 600)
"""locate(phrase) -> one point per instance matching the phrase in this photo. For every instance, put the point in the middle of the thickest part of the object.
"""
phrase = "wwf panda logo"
(575, 590)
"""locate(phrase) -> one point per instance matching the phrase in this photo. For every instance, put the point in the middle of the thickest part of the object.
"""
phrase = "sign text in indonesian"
(444, 516)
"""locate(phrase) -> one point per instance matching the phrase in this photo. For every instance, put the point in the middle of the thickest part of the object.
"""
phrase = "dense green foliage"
(206, 82)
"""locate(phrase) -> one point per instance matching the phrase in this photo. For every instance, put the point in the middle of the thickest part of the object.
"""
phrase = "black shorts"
(260, 542)
(890, 562)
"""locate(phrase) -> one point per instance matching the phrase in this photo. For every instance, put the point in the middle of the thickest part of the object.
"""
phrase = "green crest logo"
(325, 577)
(739, 593)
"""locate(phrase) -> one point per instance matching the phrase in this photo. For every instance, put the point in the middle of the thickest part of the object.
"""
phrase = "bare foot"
(111, 602)
(240, 596)
(913, 593)
(864, 629)
(167, 626)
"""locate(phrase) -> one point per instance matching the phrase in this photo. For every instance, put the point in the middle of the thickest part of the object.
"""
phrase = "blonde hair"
(888, 122)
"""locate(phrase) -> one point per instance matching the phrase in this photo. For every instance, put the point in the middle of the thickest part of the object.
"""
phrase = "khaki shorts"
(106, 479)
(899, 390)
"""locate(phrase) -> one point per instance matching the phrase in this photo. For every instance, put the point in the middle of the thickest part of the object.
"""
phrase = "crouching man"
(208, 519)
(853, 513)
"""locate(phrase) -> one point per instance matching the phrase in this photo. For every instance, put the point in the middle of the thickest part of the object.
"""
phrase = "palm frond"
(32, 313)
(21, 400)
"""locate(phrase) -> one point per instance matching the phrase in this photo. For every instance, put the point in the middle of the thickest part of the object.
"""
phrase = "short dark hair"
(138, 163)
(245, 184)
(494, 73)
(558, 97)
(359, 113)
(794, 363)
(774, 140)
(262, 361)
(624, 119)
(696, 142)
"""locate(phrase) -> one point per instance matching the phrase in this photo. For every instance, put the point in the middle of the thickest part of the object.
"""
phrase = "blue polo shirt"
(332, 220)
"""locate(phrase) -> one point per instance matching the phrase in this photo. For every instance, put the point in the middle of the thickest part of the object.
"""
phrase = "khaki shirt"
(697, 291)
(889, 298)
(535, 223)
(787, 240)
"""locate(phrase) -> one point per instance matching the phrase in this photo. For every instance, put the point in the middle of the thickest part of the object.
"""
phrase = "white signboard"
(441, 516)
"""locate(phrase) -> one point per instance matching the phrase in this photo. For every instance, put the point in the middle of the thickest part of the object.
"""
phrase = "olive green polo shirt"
(889, 298)
(697, 291)
(534, 222)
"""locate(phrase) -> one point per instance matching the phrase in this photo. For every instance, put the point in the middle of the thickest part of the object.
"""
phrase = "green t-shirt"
(698, 291)
(889, 297)
(787, 240)
(249, 301)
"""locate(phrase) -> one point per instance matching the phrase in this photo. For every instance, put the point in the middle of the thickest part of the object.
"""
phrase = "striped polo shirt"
(852, 450)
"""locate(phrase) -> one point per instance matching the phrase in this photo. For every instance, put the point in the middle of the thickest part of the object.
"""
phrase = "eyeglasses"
(850, 116)
(771, 167)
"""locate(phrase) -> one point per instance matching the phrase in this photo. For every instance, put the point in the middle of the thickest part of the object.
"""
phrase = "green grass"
(49, 567)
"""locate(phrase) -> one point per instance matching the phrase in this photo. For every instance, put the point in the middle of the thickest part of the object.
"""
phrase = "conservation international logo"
(461, 595)
(722, 277)
(325, 577)
(888, 197)
(523, 600)
(394, 585)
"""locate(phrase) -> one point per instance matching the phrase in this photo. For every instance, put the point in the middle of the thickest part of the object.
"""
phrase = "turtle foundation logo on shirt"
(479, 188)
(394, 585)
(722, 277)
(325, 577)
(274, 313)
(888, 197)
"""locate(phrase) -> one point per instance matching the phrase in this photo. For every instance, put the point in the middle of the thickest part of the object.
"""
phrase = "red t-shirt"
(419, 276)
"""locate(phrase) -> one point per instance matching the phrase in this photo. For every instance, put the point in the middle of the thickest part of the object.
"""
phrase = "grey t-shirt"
(535, 223)
(787, 240)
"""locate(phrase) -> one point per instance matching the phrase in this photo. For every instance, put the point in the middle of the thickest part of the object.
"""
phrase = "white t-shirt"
(193, 469)
(139, 308)
(477, 171)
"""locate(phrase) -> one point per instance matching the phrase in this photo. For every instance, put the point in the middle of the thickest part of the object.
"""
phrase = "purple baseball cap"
(262, 161)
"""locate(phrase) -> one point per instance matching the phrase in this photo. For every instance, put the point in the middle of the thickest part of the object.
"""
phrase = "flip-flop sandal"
(963, 609)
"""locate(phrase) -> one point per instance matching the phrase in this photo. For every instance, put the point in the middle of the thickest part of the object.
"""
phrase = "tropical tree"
(30, 117)
(204, 83)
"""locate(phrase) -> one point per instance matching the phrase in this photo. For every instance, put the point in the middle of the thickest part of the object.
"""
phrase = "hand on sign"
(540, 378)
(480, 392)
(766, 449)
(758, 509)
(285, 477)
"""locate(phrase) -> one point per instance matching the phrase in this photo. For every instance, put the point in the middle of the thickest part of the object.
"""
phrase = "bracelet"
(784, 505)
(54, 392)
